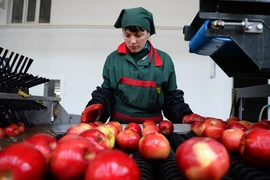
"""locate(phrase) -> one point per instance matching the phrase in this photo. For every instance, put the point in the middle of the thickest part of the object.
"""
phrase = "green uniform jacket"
(140, 90)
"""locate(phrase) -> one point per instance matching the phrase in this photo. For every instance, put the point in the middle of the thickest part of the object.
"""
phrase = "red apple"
(154, 146)
(134, 127)
(247, 124)
(196, 128)
(166, 127)
(93, 125)
(202, 158)
(267, 122)
(113, 129)
(97, 138)
(21, 161)
(12, 130)
(212, 128)
(70, 158)
(148, 122)
(99, 123)
(78, 129)
(116, 124)
(44, 143)
(2, 133)
(128, 140)
(254, 147)
(236, 125)
(259, 126)
(109, 135)
(66, 137)
(225, 123)
(230, 138)
(190, 118)
(230, 119)
(150, 129)
(21, 128)
(113, 165)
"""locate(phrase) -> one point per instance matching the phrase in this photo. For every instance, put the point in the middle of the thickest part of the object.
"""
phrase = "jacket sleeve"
(174, 107)
(104, 96)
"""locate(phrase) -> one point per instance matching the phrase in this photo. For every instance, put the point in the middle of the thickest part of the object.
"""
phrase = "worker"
(139, 81)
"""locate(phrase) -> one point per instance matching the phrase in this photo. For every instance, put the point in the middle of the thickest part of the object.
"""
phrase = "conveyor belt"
(168, 170)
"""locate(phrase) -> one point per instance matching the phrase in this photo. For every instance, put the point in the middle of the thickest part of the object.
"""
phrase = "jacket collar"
(122, 49)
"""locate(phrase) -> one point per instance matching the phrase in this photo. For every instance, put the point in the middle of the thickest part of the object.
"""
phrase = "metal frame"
(248, 92)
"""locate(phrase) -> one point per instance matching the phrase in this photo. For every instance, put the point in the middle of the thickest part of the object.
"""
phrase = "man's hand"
(190, 118)
(92, 113)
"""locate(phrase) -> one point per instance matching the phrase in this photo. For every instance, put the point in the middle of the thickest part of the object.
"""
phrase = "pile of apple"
(250, 140)
(92, 150)
(12, 130)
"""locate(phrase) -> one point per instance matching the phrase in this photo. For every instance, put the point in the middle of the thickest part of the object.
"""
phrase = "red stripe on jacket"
(135, 82)
(136, 119)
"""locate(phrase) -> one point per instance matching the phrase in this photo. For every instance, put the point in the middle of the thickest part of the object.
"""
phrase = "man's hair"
(134, 29)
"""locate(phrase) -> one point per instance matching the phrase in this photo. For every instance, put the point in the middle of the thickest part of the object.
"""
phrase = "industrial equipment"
(17, 105)
(235, 34)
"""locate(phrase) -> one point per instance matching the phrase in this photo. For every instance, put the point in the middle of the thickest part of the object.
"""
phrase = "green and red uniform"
(140, 88)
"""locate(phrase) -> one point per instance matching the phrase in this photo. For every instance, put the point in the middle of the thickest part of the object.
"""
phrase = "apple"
(111, 165)
(21, 161)
(112, 128)
(166, 127)
(66, 137)
(212, 128)
(230, 119)
(149, 129)
(230, 138)
(196, 128)
(128, 140)
(134, 127)
(236, 125)
(247, 124)
(21, 128)
(69, 159)
(190, 118)
(78, 129)
(202, 158)
(2, 133)
(44, 143)
(97, 138)
(267, 122)
(154, 146)
(12, 130)
(93, 125)
(109, 135)
(148, 122)
(254, 147)
(259, 126)
(116, 124)
(99, 123)
(225, 123)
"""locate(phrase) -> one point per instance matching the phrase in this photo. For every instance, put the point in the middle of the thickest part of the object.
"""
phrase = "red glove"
(92, 113)
(189, 119)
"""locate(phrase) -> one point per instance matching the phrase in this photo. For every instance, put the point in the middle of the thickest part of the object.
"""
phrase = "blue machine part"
(205, 45)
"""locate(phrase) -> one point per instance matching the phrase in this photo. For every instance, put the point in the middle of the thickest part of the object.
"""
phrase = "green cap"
(136, 17)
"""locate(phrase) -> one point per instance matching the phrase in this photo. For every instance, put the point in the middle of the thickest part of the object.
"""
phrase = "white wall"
(75, 54)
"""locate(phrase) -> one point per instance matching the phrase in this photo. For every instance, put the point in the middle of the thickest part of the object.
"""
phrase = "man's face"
(135, 41)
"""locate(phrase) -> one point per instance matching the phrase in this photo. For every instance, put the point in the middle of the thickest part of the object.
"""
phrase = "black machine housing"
(236, 35)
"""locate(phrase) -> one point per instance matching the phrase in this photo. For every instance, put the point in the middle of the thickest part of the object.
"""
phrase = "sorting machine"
(235, 35)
